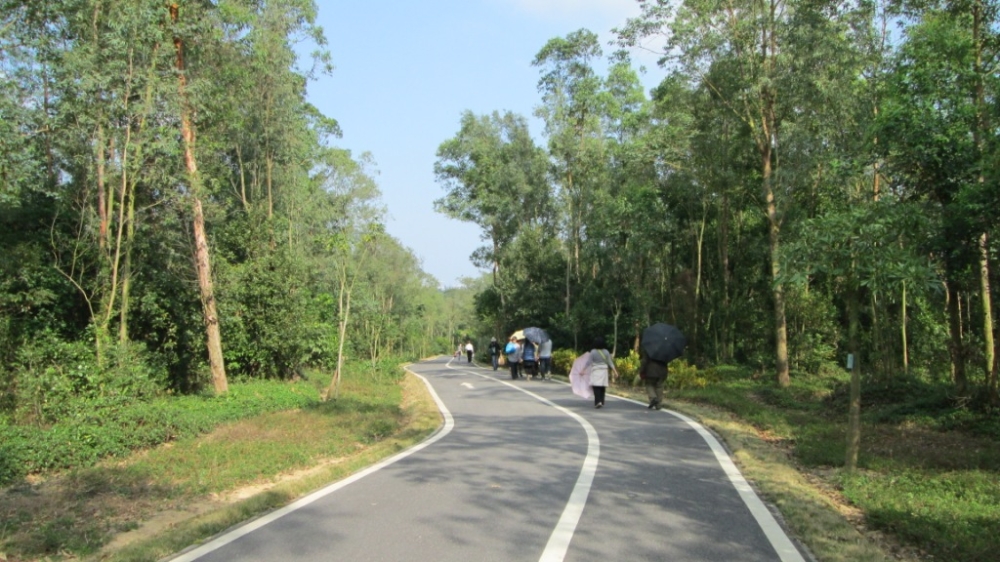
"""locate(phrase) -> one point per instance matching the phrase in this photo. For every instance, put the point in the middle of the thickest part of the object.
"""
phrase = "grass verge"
(928, 482)
(165, 499)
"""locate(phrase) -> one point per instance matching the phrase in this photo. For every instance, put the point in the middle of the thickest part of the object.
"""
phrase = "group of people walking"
(525, 358)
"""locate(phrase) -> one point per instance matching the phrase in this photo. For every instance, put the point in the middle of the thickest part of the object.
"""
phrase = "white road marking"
(562, 534)
(468, 385)
(226, 538)
(765, 519)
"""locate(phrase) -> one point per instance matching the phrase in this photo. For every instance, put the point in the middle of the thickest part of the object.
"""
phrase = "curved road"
(526, 470)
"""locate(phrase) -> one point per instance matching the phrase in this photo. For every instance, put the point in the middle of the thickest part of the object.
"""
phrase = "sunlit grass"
(273, 459)
(929, 492)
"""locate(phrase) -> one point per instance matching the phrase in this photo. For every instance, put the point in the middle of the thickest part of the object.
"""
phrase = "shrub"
(562, 361)
(682, 375)
(112, 426)
(628, 368)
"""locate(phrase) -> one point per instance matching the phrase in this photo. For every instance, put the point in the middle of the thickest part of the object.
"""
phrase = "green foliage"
(51, 375)
(90, 429)
(682, 375)
(950, 515)
(628, 368)
(926, 481)
(562, 360)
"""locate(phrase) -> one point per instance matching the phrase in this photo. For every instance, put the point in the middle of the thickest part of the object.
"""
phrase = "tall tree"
(571, 110)
(496, 178)
(202, 253)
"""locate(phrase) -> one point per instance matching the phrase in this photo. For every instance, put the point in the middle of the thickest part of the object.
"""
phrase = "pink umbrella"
(579, 377)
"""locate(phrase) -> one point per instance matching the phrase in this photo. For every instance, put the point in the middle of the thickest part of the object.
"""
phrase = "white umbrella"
(579, 376)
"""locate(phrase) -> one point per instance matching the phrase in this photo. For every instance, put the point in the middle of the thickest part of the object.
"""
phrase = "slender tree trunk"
(203, 263)
(854, 409)
(102, 210)
(989, 346)
(877, 367)
(981, 128)
(344, 311)
(956, 348)
(726, 323)
(697, 286)
(903, 323)
(774, 227)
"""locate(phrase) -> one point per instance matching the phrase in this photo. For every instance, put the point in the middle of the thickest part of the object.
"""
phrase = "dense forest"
(809, 181)
(174, 215)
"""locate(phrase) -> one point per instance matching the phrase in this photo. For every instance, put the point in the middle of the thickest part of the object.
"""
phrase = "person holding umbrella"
(601, 364)
(534, 337)
(661, 343)
(653, 373)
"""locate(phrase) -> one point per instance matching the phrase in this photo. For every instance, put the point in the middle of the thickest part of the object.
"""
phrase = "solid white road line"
(226, 538)
(562, 534)
(765, 519)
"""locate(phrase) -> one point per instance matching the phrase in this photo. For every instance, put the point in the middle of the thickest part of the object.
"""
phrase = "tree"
(866, 247)
(935, 149)
(496, 177)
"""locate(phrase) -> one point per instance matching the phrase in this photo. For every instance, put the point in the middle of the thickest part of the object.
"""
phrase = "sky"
(405, 71)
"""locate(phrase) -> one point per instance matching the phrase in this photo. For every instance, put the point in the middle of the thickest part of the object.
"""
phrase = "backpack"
(511, 348)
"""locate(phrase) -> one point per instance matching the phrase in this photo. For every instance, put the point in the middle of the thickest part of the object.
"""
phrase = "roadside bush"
(628, 368)
(52, 376)
(114, 426)
(682, 375)
(562, 361)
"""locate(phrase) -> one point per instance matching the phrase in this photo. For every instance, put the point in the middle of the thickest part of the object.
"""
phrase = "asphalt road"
(526, 470)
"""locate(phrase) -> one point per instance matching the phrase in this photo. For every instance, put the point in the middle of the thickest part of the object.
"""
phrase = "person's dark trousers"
(599, 395)
(546, 366)
(654, 389)
(531, 368)
(513, 370)
(469, 354)
(496, 361)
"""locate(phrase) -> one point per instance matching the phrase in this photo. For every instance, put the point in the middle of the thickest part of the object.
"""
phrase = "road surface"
(526, 470)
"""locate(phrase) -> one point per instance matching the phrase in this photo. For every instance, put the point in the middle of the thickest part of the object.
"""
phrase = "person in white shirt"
(545, 358)
(601, 364)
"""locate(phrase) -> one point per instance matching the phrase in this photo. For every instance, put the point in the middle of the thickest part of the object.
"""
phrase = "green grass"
(77, 513)
(929, 473)
(953, 515)
(928, 476)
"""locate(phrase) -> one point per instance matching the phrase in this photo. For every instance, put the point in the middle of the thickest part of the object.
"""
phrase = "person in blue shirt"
(513, 353)
(528, 356)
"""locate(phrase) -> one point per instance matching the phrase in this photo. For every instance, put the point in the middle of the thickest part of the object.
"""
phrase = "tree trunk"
(202, 256)
(902, 322)
(956, 347)
(854, 410)
(989, 348)
(726, 323)
(979, 132)
(695, 347)
(774, 228)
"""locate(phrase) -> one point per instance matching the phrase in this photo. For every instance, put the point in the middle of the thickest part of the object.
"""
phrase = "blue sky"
(404, 73)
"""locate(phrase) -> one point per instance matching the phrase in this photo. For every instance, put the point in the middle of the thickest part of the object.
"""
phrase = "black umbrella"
(535, 335)
(663, 342)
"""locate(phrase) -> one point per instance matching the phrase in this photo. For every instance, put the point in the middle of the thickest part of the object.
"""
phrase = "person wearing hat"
(494, 349)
